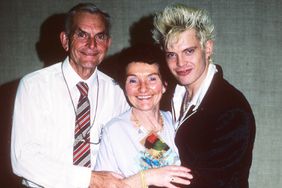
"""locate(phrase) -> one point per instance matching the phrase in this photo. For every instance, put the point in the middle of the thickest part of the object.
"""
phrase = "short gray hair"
(85, 7)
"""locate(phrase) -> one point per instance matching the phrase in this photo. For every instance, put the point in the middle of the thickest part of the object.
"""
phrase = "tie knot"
(83, 88)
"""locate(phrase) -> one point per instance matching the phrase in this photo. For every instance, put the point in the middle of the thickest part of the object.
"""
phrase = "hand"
(166, 176)
(103, 179)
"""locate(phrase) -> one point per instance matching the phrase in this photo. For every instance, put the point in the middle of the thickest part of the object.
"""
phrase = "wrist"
(143, 177)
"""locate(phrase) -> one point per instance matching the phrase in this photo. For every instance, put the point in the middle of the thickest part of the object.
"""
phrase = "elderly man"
(60, 110)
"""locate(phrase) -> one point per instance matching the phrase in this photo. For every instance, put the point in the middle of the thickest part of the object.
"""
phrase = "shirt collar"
(73, 78)
(199, 95)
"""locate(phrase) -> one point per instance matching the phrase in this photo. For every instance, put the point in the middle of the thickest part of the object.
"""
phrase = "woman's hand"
(166, 176)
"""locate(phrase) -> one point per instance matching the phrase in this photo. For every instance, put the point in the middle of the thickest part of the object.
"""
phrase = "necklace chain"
(74, 109)
(139, 124)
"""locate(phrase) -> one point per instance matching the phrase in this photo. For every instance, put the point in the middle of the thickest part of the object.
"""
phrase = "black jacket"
(216, 142)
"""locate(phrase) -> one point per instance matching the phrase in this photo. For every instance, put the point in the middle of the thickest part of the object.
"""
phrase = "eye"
(189, 51)
(81, 34)
(101, 36)
(131, 80)
(170, 55)
(153, 78)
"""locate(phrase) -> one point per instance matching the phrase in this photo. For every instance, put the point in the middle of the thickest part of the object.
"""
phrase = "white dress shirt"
(44, 120)
(179, 93)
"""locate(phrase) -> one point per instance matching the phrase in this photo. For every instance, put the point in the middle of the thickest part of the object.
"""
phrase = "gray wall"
(248, 46)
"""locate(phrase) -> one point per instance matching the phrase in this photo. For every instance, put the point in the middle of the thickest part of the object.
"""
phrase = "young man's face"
(187, 60)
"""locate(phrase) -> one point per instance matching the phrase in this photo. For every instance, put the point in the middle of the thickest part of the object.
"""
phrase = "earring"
(210, 60)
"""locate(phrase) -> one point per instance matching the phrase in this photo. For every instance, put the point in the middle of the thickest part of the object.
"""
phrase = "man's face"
(88, 42)
(187, 60)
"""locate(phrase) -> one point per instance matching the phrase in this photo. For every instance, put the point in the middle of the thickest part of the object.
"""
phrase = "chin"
(90, 65)
(145, 108)
(181, 82)
(184, 81)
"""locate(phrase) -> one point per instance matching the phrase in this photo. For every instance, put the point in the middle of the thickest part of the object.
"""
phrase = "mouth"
(90, 53)
(144, 97)
(183, 72)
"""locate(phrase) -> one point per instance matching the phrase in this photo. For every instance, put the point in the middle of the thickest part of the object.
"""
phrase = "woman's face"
(143, 86)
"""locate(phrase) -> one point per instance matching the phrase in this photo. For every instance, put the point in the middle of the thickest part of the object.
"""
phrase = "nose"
(92, 43)
(181, 61)
(143, 87)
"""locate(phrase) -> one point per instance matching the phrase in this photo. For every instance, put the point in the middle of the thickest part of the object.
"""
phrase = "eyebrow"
(192, 47)
(158, 74)
(81, 30)
(152, 74)
(187, 48)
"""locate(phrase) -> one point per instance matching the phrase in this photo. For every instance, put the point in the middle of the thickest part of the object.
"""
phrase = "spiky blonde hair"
(177, 18)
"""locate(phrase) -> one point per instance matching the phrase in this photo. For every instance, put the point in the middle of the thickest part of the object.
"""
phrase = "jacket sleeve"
(226, 159)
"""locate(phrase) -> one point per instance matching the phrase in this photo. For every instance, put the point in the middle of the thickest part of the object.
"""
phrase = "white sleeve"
(106, 160)
(29, 156)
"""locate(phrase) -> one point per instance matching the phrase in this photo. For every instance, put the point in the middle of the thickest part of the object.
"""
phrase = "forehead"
(142, 68)
(86, 20)
(182, 40)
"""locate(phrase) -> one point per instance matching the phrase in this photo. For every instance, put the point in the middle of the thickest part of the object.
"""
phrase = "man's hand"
(105, 179)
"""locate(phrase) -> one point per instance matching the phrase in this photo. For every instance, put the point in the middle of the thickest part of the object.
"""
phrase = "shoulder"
(108, 83)
(167, 117)
(220, 86)
(118, 123)
(107, 79)
(224, 93)
(227, 103)
(43, 74)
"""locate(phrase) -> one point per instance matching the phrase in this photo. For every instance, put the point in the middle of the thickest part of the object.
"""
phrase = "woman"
(139, 144)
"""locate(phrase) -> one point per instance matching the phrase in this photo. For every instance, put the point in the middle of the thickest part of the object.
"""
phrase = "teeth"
(143, 97)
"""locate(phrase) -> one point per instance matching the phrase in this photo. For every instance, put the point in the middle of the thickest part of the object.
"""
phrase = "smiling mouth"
(183, 72)
(144, 97)
(91, 53)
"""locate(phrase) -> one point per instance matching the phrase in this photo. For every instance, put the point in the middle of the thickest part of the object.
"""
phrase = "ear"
(64, 41)
(109, 42)
(209, 49)
(164, 87)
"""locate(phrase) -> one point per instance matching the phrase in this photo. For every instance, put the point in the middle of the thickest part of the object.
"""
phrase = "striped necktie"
(81, 150)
